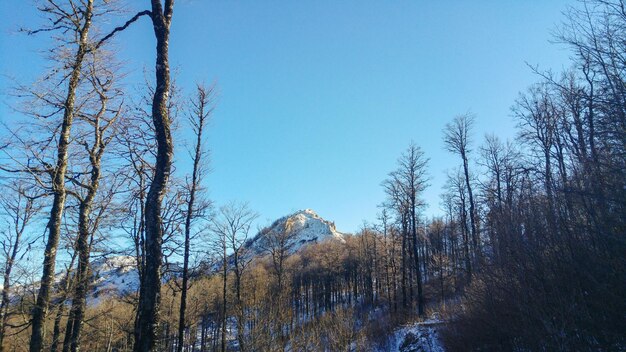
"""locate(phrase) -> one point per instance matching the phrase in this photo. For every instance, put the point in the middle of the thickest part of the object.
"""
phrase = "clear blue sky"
(319, 98)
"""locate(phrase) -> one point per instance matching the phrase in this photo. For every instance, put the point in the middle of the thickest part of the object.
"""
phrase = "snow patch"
(113, 276)
(418, 337)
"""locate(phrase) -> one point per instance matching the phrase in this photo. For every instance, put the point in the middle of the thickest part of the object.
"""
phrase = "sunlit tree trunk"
(40, 309)
(146, 325)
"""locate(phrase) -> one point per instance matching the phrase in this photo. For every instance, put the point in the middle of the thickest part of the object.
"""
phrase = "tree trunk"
(224, 273)
(79, 301)
(239, 304)
(404, 250)
(6, 289)
(199, 124)
(472, 206)
(146, 324)
(418, 272)
(83, 247)
(67, 283)
(58, 185)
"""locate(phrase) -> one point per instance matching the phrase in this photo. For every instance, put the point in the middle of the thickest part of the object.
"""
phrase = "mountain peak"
(302, 227)
(117, 276)
(308, 211)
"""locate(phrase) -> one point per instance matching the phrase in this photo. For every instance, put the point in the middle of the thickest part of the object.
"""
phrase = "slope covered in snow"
(417, 337)
(296, 230)
(113, 276)
(117, 276)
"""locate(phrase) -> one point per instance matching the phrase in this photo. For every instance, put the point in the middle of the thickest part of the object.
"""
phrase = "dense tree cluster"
(553, 205)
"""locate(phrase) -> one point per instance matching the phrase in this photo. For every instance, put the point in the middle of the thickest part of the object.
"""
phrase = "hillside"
(298, 229)
(117, 276)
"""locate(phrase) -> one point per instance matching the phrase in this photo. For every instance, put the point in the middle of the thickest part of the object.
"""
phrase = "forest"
(529, 253)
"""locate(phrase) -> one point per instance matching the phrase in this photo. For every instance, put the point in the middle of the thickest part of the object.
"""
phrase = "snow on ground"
(311, 227)
(417, 337)
(117, 276)
(113, 276)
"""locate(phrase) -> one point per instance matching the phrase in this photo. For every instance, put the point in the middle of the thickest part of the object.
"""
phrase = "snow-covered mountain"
(296, 230)
(113, 276)
(117, 276)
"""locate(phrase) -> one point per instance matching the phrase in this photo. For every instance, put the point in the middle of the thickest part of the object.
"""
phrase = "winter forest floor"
(417, 337)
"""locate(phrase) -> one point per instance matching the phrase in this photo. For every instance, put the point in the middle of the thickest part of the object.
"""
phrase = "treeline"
(337, 294)
(529, 254)
(546, 271)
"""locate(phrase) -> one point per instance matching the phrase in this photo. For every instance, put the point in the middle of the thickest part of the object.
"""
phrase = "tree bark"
(58, 186)
(418, 272)
(146, 324)
(67, 284)
(83, 247)
(472, 206)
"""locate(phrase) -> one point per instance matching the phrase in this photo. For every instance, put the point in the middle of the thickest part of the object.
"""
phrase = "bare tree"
(457, 140)
(146, 326)
(278, 244)
(95, 141)
(202, 108)
(398, 202)
(456, 187)
(232, 226)
(75, 20)
(411, 174)
(20, 206)
(538, 118)
(136, 149)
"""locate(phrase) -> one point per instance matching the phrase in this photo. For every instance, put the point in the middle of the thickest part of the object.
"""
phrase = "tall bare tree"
(95, 140)
(456, 199)
(74, 19)
(232, 227)
(412, 172)
(146, 325)
(457, 140)
(539, 116)
(202, 109)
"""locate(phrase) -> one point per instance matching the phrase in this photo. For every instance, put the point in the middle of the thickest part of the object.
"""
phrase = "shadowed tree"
(457, 139)
(412, 175)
